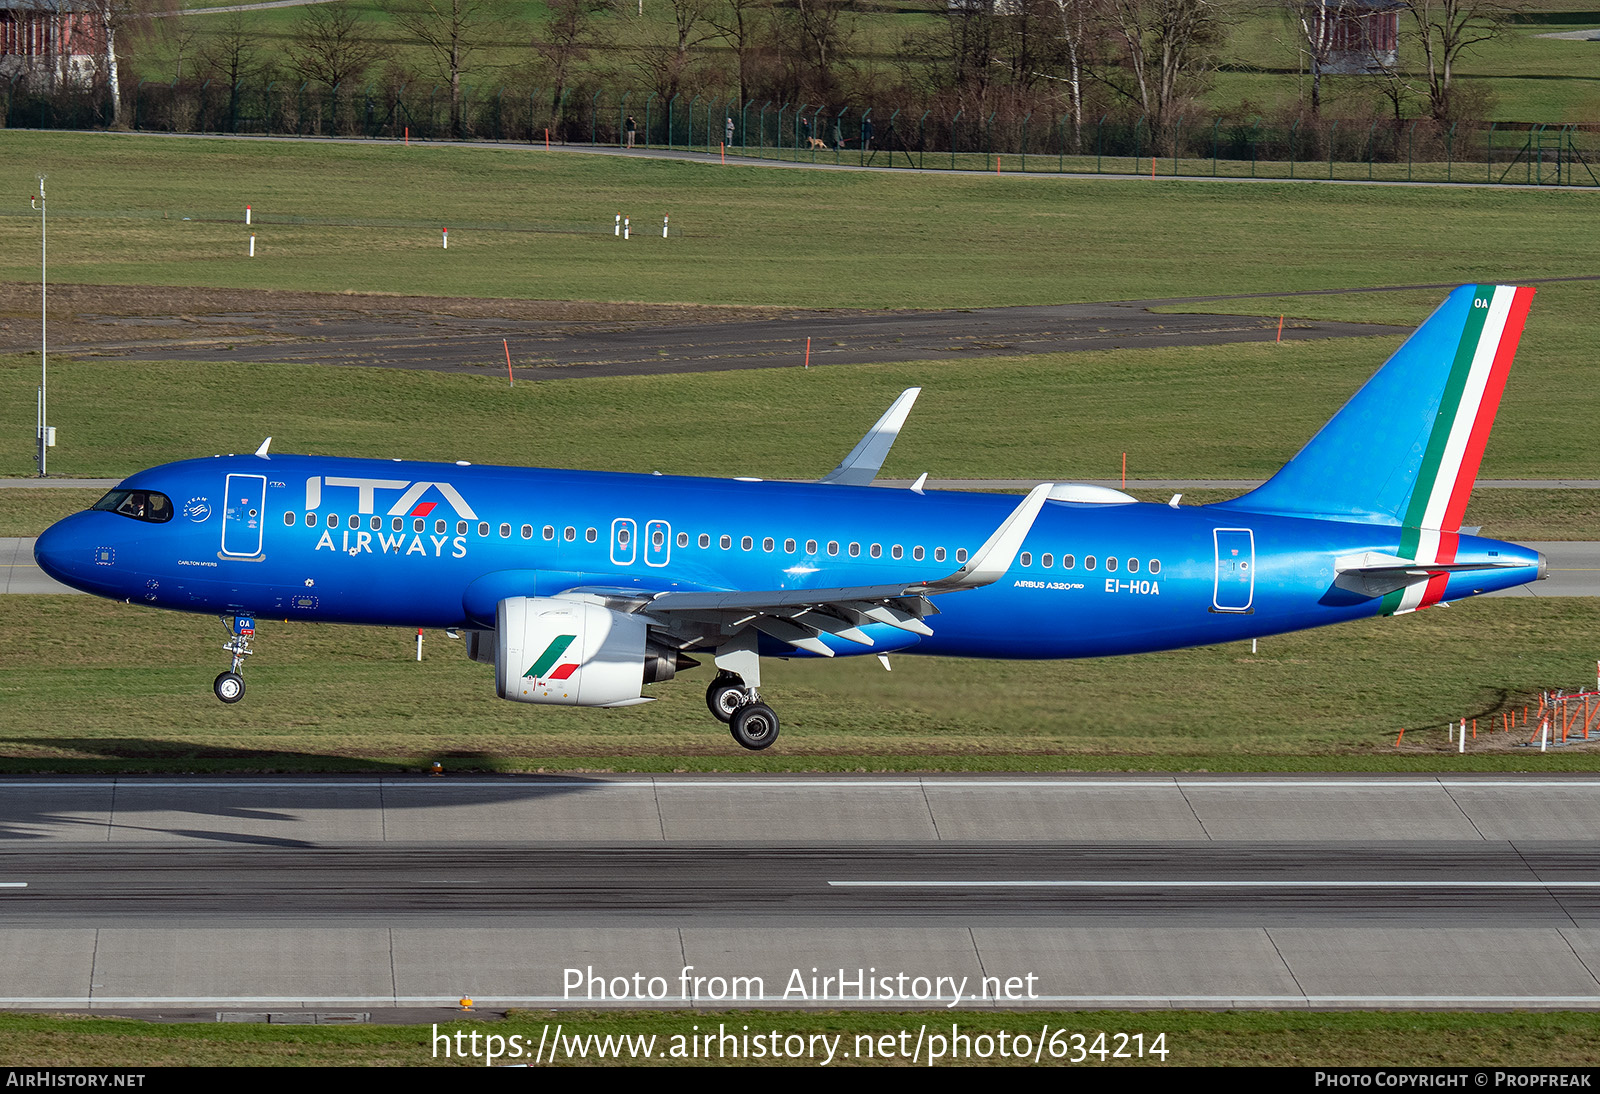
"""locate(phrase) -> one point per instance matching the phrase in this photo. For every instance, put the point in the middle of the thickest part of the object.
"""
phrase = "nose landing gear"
(229, 685)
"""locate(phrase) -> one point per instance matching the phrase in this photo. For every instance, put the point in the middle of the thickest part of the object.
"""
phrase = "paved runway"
(541, 891)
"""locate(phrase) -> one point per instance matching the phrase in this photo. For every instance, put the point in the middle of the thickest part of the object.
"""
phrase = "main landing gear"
(753, 724)
(229, 685)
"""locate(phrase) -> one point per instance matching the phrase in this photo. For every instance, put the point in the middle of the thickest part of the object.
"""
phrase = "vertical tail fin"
(1405, 450)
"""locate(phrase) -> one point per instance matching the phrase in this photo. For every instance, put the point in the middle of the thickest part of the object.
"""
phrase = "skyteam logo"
(197, 509)
(553, 653)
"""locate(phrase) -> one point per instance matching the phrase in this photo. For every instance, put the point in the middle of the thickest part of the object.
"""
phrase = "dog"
(817, 142)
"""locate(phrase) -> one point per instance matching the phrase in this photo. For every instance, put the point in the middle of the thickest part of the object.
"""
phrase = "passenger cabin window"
(683, 539)
(591, 535)
(355, 522)
(1088, 562)
(1048, 560)
(288, 519)
(505, 531)
(833, 546)
(569, 533)
(1111, 563)
(333, 520)
(895, 551)
(788, 546)
(397, 524)
(766, 544)
(1155, 565)
(527, 531)
(311, 520)
(961, 554)
(704, 541)
(376, 524)
(938, 554)
(855, 550)
(483, 529)
(549, 531)
(916, 553)
(1068, 562)
(746, 543)
(726, 542)
(1133, 565)
(418, 525)
(811, 546)
(1027, 558)
(145, 505)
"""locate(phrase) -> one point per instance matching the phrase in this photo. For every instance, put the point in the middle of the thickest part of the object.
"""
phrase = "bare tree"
(1446, 29)
(741, 23)
(1079, 20)
(452, 32)
(1314, 22)
(232, 51)
(332, 44)
(182, 35)
(1168, 47)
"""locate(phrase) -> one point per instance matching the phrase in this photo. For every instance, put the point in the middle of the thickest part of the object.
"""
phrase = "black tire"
(724, 697)
(229, 687)
(754, 726)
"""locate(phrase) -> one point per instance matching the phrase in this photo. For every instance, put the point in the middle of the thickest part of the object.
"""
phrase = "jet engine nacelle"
(574, 654)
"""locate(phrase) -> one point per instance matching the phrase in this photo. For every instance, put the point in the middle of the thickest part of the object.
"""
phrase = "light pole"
(43, 424)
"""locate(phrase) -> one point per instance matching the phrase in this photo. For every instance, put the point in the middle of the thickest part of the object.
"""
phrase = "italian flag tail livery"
(1449, 467)
(1405, 450)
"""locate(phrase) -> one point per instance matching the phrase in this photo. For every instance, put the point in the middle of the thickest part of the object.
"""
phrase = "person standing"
(629, 126)
(805, 130)
(727, 128)
(866, 134)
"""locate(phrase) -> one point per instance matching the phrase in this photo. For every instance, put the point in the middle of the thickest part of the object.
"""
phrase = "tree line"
(1078, 59)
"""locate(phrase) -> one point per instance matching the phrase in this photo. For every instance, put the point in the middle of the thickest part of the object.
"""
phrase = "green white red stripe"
(1455, 445)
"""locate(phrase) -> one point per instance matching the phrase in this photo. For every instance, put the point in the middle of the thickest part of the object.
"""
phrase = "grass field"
(355, 699)
(1558, 1039)
(357, 217)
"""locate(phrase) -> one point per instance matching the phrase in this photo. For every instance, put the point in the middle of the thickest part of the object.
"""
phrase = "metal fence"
(857, 134)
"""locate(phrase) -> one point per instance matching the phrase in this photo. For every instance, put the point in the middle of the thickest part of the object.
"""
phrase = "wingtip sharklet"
(865, 460)
(999, 551)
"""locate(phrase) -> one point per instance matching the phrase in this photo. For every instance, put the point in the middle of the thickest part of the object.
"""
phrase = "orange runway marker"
(507, 344)
(808, 351)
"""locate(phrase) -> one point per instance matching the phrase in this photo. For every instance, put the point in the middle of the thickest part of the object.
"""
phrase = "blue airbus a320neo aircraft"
(580, 588)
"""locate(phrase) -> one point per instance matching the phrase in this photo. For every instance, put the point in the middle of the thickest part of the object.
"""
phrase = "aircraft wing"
(861, 466)
(800, 617)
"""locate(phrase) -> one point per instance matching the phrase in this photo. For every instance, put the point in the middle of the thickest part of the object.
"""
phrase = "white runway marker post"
(668, 217)
(617, 231)
(445, 236)
(419, 643)
(252, 244)
(247, 215)
(626, 227)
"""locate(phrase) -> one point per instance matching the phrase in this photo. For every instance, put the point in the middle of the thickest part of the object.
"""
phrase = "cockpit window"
(146, 505)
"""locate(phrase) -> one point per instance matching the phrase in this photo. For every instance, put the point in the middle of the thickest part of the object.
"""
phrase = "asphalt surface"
(451, 344)
(728, 885)
(135, 894)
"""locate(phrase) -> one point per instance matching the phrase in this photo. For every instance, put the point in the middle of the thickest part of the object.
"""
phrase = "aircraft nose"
(57, 549)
